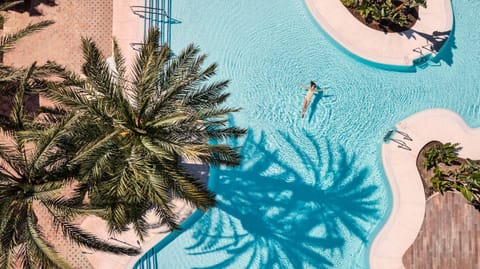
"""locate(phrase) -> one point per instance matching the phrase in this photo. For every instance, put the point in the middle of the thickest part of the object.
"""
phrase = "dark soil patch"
(387, 26)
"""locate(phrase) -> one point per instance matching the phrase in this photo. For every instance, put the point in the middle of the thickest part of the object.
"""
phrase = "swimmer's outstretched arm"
(303, 85)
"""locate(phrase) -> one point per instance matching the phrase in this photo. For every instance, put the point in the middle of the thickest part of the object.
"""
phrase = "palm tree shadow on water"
(270, 216)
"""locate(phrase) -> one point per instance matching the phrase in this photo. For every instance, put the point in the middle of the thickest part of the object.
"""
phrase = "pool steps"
(401, 144)
(156, 13)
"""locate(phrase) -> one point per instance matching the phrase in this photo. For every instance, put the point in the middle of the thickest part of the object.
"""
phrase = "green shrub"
(446, 153)
(385, 10)
(465, 179)
(439, 181)
(348, 3)
(431, 157)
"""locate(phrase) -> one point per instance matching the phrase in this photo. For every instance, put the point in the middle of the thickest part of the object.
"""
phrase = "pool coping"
(408, 209)
(391, 49)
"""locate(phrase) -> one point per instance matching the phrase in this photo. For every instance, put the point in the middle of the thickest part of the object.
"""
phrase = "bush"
(446, 153)
(349, 3)
(465, 180)
(395, 12)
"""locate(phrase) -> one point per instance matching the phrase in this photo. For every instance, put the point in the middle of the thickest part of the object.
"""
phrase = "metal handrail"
(148, 10)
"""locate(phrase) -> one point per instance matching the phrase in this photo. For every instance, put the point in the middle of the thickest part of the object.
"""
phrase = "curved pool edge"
(375, 47)
(156, 244)
(408, 207)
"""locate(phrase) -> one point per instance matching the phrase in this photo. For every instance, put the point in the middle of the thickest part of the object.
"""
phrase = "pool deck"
(408, 210)
(428, 34)
(449, 237)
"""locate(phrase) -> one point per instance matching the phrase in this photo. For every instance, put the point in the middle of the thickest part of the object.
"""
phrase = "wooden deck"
(449, 237)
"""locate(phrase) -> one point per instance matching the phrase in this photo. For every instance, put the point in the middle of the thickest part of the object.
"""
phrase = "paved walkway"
(127, 28)
(408, 209)
(398, 49)
(61, 42)
(449, 237)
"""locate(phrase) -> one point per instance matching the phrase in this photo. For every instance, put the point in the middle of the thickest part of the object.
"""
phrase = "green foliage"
(445, 153)
(123, 143)
(31, 186)
(439, 182)
(385, 10)
(19, 83)
(465, 179)
(133, 131)
(349, 3)
(431, 157)
(448, 153)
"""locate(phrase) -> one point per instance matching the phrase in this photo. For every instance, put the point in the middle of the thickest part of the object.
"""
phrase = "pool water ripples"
(310, 192)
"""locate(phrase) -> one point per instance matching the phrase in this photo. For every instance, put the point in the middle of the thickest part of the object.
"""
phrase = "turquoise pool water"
(311, 192)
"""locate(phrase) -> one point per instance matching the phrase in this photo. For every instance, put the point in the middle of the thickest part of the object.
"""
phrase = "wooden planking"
(448, 237)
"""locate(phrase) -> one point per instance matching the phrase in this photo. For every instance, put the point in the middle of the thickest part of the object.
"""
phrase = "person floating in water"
(308, 98)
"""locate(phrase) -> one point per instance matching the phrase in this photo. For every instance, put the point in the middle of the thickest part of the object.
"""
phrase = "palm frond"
(7, 41)
(207, 95)
(18, 104)
(191, 190)
(47, 145)
(224, 155)
(95, 151)
(147, 72)
(69, 208)
(120, 69)
(7, 257)
(13, 159)
(92, 242)
(97, 71)
(215, 134)
(9, 229)
(77, 235)
(6, 5)
(140, 227)
(47, 190)
(216, 112)
(176, 76)
(42, 249)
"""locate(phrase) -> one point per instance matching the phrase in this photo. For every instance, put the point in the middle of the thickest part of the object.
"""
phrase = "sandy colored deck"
(398, 49)
(408, 209)
(61, 42)
(449, 237)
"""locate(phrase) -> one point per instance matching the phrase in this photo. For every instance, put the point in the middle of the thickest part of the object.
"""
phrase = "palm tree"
(17, 87)
(34, 167)
(7, 41)
(135, 128)
(17, 83)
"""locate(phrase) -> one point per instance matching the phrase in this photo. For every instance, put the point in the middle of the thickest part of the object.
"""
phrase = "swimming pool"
(311, 192)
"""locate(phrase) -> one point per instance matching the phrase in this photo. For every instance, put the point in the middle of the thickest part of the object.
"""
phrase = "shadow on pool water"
(277, 218)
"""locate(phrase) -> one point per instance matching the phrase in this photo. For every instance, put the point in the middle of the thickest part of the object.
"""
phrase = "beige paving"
(399, 49)
(127, 28)
(111, 261)
(408, 209)
(61, 42)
